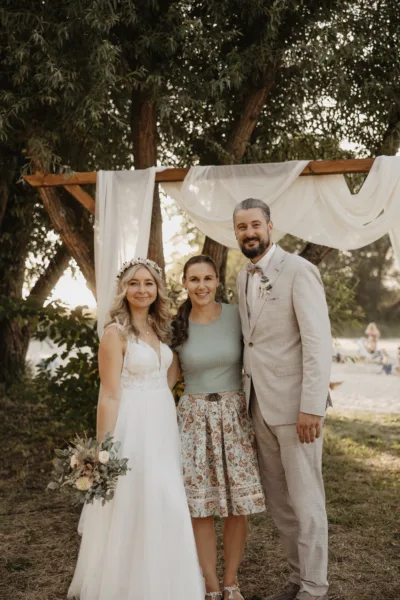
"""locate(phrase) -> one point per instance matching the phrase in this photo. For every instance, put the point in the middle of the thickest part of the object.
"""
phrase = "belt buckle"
(213, 397)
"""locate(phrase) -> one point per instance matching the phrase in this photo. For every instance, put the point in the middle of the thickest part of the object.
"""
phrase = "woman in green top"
(218, 448)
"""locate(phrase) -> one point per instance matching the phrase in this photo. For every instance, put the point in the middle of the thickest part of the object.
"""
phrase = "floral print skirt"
(219, 456)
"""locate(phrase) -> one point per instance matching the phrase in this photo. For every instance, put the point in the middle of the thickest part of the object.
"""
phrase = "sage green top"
(211, 357)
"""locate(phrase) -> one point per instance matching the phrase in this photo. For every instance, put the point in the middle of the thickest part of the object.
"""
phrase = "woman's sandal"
(231, 589)
(214, 595)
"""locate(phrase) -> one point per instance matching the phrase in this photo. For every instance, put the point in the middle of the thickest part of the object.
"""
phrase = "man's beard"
(257, 250)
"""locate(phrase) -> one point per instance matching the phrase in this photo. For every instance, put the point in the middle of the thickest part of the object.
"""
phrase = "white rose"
(74, 461)
(83, 484)
(104, 457)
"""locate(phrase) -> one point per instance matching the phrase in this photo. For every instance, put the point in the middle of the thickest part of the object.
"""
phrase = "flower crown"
(146, 262)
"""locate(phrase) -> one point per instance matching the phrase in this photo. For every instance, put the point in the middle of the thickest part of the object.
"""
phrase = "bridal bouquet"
(89, 469)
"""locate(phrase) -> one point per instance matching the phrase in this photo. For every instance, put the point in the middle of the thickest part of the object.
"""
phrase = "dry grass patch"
(39, 542)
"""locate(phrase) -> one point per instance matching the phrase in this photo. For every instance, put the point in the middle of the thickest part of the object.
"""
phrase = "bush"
(70, 390)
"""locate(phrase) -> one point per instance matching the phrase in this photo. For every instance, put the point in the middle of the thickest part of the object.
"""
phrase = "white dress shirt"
(254, 280)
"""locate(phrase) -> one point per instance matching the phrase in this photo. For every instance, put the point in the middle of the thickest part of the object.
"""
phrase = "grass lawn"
(39, 542)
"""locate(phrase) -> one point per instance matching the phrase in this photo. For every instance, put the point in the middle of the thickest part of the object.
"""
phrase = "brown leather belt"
(215, 397)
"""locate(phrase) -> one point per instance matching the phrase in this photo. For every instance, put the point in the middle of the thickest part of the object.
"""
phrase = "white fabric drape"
(124, 201)
(318, 209)
(209, 194)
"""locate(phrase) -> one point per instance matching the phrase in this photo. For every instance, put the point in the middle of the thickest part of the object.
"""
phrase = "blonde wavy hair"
(159, 313)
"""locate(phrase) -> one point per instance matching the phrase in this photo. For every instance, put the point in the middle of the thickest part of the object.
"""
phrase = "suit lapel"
(243, 277)
(272, 272)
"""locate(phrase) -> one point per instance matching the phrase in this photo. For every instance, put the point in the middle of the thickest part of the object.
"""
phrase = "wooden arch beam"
(83, 197)
(315, 167)
(72, 182)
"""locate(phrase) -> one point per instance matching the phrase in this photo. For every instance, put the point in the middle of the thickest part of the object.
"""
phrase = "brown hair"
(253, 203)
(180, 325)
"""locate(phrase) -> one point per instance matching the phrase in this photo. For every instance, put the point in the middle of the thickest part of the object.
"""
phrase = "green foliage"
(71, 389)
(68, 381)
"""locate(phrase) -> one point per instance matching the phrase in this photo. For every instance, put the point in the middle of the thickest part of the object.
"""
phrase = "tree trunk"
(16, 227)
(15, 238)
(219, 254)
(75, 228)
(390, 144)
(145, 139)
(49, 278)
(8, 170)
(13, 349)
(235, 150)
(315, 253)
(245, 125)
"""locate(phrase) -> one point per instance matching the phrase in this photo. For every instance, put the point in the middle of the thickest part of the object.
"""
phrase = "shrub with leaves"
(71, 389)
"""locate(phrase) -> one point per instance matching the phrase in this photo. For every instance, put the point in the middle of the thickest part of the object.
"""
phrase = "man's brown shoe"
(289, 592)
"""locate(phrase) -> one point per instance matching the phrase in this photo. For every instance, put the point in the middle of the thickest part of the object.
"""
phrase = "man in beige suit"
(287, 362)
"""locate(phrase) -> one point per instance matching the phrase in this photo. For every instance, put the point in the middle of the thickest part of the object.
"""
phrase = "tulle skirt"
(140, 545)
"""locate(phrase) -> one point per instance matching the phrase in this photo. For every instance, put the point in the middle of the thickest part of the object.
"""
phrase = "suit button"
(251, 344)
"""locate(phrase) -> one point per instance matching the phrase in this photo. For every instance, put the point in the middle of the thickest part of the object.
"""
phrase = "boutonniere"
(265, 286)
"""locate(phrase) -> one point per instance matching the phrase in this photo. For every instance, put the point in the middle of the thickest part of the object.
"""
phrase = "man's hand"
(308, 427)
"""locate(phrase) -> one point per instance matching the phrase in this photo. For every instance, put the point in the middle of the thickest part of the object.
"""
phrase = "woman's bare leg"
(206, 543)
(235, 535)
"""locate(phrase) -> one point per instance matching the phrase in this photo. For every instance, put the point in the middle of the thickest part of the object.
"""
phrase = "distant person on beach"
(373, 334)
(396, 370)
(368, 346)
(387, 365)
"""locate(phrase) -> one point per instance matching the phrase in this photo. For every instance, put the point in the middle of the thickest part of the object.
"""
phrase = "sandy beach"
(365, 386)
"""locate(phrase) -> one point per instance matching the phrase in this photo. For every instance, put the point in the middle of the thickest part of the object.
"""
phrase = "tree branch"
(49, 278)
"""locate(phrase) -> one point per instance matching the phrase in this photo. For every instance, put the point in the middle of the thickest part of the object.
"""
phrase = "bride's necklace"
(146, 332)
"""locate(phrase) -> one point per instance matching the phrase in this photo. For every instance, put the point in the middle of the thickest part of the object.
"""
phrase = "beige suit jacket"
(287, 340)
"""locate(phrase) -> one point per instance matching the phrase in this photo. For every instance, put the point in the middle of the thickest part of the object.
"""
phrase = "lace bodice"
(142, 369)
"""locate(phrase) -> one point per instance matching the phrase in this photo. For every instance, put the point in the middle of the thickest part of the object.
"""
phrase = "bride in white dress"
(140, 545)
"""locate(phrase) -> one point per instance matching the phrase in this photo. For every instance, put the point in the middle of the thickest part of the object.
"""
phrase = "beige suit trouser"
(291, 475)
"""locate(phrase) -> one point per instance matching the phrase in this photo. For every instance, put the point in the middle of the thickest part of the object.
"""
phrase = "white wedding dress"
(140, 545)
